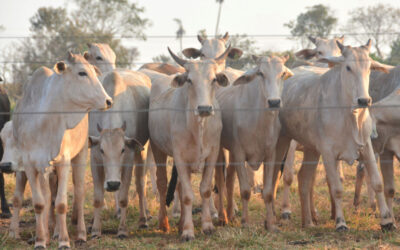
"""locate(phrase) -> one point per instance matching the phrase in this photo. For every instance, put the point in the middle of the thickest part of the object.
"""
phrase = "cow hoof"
(63, 247)
(122, 236)
(271, 228)
(80, 242)
(388, 227)
(186, 238)
(286, 216)
(95, 236)
(342, 228)
(39, 247)
(31, 241)
(208, 231)
(222, 222)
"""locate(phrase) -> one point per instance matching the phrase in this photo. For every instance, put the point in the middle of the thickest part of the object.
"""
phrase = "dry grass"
(364, 227)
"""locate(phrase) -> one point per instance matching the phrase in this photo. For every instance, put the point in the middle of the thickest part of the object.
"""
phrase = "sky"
(251, 17)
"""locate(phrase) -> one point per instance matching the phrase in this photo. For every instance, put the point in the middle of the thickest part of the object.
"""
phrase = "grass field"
(364, 227)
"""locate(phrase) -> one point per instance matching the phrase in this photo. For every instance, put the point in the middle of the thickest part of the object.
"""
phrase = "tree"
(378, 22)
(163, 58)
(180, 32)
(247, 45)
(219, 16)
(54, 31)
(394, 57)
(318, 21)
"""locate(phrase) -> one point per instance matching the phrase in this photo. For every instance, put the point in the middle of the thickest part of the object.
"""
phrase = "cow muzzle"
(204, 111)
(274, 103)
(109, 103)
(112, 186)
(6, 167)
(364, 102)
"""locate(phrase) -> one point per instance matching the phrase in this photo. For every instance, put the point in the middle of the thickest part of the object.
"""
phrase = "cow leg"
(5, 210)
(359, 181)
(341, 171)
(78, 178)
(305, 179)
(312, 203)
(288, 175)
(53, 182)
(230, 188)
(221, 186)
(116, 204)
(140, 182)
(98, 194)
(368, 157)
(20, 183)
(187, 198)
(151, 166)
(336, 190)
(62, 204)
(162, 182)
(386, 160)
(123, 197)
(176, 207)
(38, 201)
(332, 200)
(371, 193)
(213, 209)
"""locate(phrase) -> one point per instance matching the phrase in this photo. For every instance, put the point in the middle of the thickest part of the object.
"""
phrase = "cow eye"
(123, 150)
(348, 68)
(82, 73)
(102, 151)
(98, 58)
(260, 74)
(319, 53)
(189, 81)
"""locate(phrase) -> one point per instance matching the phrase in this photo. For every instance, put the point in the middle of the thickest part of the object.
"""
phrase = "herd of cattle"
(340, 105)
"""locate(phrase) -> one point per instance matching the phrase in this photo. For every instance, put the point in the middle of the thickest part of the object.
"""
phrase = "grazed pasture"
(364, 228)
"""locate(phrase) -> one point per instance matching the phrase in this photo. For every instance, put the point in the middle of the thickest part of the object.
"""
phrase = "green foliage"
(162, 58)
(247, 45)
(378, 22)
(394, 57)
(318, 21)
(57, 30)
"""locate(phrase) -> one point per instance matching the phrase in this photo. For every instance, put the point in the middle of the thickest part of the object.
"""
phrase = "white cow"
(189, 131)
(250, 136)
(57, 140)
(336, 134)
(120, 132)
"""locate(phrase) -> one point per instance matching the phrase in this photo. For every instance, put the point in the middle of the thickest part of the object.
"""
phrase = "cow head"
(81, 85)
(11, 160)
(355, 65)
(201, 79)
(212, 48)
(271, 71)
(114, 147)
(323, 48)
(101, 55)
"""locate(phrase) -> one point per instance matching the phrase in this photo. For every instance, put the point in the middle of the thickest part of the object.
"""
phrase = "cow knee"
(377, 186)
(206, 194)
(98, 203)
(245, 194)
(288, 179)
(123, 203)
(389, 192)
(187, 200)
(16, 202)
(338, 193)
(61, 208)
(38, 208)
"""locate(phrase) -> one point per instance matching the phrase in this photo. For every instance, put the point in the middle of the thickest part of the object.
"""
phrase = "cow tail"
(172, 186)
(283, 162)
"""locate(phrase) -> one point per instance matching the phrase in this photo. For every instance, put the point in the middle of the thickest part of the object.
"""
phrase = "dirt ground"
(364, 226)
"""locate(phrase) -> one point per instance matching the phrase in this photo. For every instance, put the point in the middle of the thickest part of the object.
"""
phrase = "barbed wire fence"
(267, 36)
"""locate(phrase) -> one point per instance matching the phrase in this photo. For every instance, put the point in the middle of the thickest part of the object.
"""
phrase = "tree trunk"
(219, 15)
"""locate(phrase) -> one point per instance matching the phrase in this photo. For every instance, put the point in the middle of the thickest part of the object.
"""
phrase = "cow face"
(271, 71)
(101, 55)
(11, 157)
(212, 48)
(201, 79)
(115, 149)
(323, 48)
(355, 65)
(81, 85)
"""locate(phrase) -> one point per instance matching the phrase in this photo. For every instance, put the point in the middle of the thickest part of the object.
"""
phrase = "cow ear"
(244, 79)
(380, 67)
(331, 60)
(97, 70)
(99, 128)
(133, 143)
(287, 74)
(179, 80)
(313, 39)
(93, 141)
(222, 80)
(235, 53)
(191, 53)
(87, 55)
(60, 67)
(306, 54)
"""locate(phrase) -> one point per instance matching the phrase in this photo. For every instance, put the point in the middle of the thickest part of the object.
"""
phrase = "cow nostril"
(108, 103)
(274, 103)
(364, 102)
(113, 186)
(204, 110)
